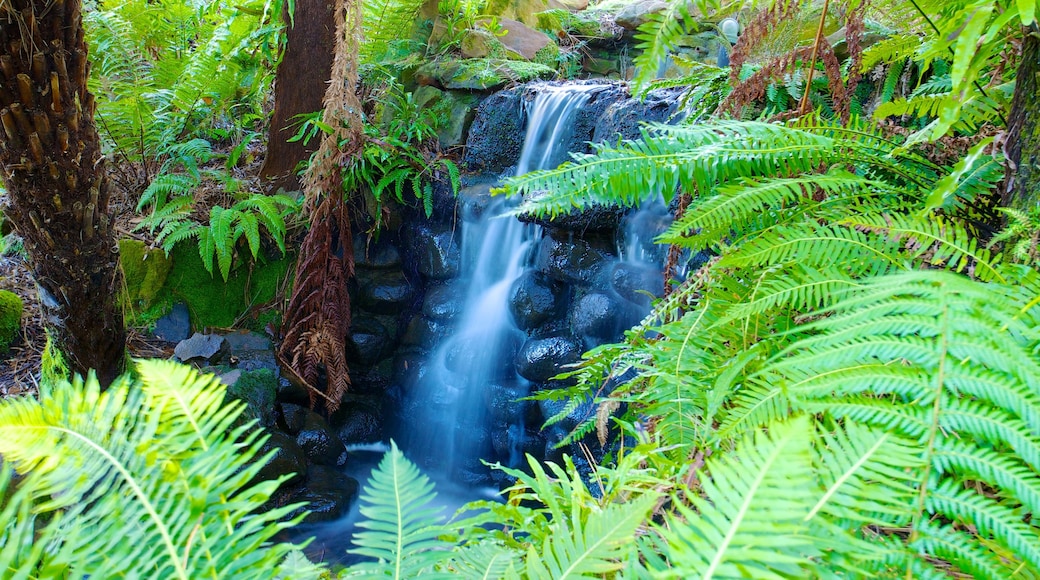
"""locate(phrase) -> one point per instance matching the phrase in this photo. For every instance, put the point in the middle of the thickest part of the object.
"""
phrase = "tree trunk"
(1023, 130)
(299, 88)
(55, 176)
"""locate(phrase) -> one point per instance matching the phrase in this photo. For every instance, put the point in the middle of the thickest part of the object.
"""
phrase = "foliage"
(226, 227)
(149, 478)
(167, 72)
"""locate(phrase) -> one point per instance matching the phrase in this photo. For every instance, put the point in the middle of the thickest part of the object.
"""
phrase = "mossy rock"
(144, 272)
(480, 43)
(212, 302)
(257, 389)
(481, 73)
(581, 24)
(454, 111)
(10, 319)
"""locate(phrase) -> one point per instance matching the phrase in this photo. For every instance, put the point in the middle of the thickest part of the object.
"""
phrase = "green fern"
(151, 479)
(401, 529)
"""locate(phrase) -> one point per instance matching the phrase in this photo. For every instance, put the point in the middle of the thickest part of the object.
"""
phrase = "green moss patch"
(481, 73)
(10, 319)
(212, 302)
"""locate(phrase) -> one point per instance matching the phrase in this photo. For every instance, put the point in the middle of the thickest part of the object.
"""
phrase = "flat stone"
(208, 348)
(175, 326)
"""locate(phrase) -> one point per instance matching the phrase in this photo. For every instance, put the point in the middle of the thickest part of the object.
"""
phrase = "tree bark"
(54, 170)
(1023, 129)
(299, 88)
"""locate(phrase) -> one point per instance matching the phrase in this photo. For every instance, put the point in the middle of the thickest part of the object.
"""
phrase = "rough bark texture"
(300, 85)
(53, 168)
(1023, 132)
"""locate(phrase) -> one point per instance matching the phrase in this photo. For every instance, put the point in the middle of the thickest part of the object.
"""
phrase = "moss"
(211, 301)
(483, 73)
(144, 272)
(549, 55)
(53, 366)
(581, 24)
(257, 389)
(10, 319)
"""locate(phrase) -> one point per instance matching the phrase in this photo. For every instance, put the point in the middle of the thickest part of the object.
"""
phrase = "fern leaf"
(401, 522)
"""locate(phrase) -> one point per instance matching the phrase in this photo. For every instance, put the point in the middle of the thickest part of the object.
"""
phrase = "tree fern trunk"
(1023, 132)
(299, 88)
(55, 176)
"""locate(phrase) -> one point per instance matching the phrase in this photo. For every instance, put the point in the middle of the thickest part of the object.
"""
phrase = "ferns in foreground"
(150, 478)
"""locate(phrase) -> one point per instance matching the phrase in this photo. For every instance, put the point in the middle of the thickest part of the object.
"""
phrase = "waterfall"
(452, 434)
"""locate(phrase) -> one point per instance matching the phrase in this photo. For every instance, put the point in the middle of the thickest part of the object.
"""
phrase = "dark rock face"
(633, 282)
(318, 442)
(533, 301)
(425, 333)
(328, 493)
(202, 348)
(438, 253)
(572, 261)
(288, 458)
(540, 359)
(368, 342)
(598, 315)
(593, 219)
(175, 326)
(385, 292)
(360, 423)
(378, 255)
(444, 303)
(503, 404)
(496, 135)
(461, 354)
(623, 118)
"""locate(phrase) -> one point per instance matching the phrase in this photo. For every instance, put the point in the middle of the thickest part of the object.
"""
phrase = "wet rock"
(318, 442)
(572, 261)
(598, 316)
(245, 341)
(439, 254)
(496, 135)
(503, 402)
(375, 254)
(359, 422)
(328, 494)
(368, 342)
(475, 357)
(385, 292)
(444, 302)
(288, 458)
(291, 392)
(624, 118)
(424, 332)
(636, 283)
(532, 300)
(294, 417)
(175, 326)
(372, 380)
(596, 218)
(638, 13)
(202, 348)
(541, 359)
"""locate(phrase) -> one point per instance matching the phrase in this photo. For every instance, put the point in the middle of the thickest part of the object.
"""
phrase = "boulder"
(202, 348)
(438, 252)
(288, 458)
(497, 133)
(570, 5)
(327, 493)
(376, 254)
(572, 261)
(525, 11)
(175, 326)
(369, 341)
(258, 390)
(318, 442)
(425, 333)
(444, 302)
(522, 39)
(532, 300)
(144, 271)
(359, 421)
(540, 359)
(385, 292)
(599, 316)
(595, 218)
(625, 118)
(454, 111)
(480, 43)
(480, 73)
(636, 283)
(639, 13)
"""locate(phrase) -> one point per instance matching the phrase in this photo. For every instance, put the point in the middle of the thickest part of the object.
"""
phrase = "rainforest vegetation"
(849, 386)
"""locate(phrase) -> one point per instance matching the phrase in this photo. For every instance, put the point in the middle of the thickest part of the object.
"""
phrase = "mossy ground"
(10, 319)
(212, 302)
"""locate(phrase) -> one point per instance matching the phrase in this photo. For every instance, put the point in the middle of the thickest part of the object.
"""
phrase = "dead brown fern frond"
(317, 319)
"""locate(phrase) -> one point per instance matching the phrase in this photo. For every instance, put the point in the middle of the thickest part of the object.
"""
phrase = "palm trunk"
(55, 176)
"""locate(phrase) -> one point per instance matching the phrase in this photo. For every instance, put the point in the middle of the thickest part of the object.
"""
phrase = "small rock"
(360, 424)
(202, 348)
(175, 326)
(368, 341)
(599, 316)
(541, 359)
(318, 442)
(439, 255)
(294, 417)
(288, 458)
(532, 300)
(572, 261)
(424, 332)
(385, 292)
(637, 283)
(377, 255)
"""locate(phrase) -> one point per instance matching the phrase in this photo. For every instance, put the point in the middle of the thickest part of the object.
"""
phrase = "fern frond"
(400, 530)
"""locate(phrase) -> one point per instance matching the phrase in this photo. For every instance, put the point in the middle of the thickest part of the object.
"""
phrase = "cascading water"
(452, 395)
